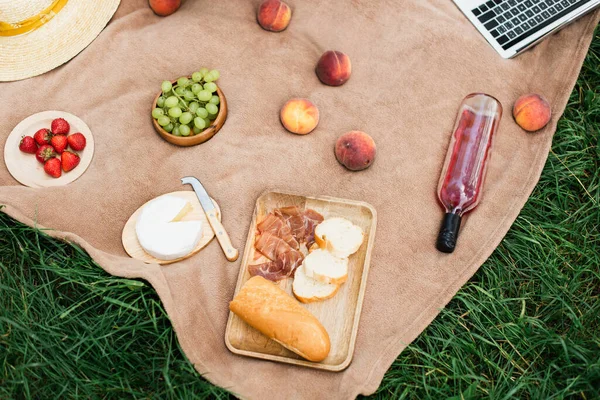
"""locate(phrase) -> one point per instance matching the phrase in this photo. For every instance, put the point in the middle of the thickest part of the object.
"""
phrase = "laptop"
(513, 26)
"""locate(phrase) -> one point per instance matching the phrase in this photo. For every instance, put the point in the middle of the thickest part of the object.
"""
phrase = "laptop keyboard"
(511, 21)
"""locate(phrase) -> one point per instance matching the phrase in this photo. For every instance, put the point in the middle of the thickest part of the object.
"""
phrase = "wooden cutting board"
(132, 245)
(339, 315)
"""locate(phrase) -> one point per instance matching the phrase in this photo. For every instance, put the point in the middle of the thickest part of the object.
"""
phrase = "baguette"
(324, 267)
(309, 290)
(270, 310)
(339, 236)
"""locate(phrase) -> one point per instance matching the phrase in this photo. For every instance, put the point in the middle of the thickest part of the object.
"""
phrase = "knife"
(211, 214)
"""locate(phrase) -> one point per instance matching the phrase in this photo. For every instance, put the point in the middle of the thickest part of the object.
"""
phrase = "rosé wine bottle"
(461, 182)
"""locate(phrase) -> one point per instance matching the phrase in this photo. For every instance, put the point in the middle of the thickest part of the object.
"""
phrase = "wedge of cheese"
(161, 232)
(324, 267)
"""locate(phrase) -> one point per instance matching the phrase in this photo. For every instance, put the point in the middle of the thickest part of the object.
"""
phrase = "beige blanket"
(413, 62)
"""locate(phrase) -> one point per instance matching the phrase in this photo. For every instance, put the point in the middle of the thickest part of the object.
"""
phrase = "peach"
(334, 68)
(274, 15)
(164, 7)
(532, 112)
(355, 150)
(299, 116)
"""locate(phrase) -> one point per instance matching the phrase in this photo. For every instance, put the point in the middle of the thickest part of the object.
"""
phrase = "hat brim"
(57, 41)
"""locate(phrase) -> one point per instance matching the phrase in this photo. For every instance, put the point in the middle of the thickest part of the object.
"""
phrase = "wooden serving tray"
(339, 315)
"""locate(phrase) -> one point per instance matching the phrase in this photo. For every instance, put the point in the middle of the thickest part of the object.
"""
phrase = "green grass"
(527, 325)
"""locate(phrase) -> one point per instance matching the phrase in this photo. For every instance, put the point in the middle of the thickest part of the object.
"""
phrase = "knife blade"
(210, 210)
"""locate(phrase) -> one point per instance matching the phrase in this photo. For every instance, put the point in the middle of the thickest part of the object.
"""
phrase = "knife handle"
(222, 237)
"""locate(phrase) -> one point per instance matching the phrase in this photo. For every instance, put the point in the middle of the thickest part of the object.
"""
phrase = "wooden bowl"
(201, 137)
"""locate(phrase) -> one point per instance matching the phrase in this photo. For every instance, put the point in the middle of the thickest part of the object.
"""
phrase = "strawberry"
(59, 142)
(52, 167)
(28, 145)
(76, 141)
(69, 161)
(60, 127)
(43, 136)
(44, 153)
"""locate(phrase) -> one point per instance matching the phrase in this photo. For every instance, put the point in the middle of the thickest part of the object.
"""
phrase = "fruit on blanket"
(28, 145)
(334, 68)
(52, 167)
(274, 15)
(532, 112)
(69, 160)
(60, 126)
(355, 150)
(299, 116)
(44, 153)
(42, 136)
(76, 141)
(164, 7)
(186, 106)
(59, 142)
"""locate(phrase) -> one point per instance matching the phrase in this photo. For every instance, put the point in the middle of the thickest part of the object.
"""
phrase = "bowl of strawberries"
(51, 148)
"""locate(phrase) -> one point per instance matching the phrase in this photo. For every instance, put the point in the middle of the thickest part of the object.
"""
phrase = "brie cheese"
(162, 234)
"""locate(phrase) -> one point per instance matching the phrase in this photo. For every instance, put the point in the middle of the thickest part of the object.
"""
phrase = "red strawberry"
(76, 141)
(60, 127)
(52, 167)
(28, 145)
(59, 142)
(44, 153)
(43, 136)
(69, 161)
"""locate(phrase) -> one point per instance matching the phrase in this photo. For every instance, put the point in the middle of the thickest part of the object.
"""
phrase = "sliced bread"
(309, 290)
(339, 236)
(322, 266)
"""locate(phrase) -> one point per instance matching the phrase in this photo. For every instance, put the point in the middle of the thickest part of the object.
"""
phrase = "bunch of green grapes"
(187, 107)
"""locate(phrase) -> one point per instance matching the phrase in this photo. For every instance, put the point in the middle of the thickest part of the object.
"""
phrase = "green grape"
(193, 106)
(203, 71)
(157, 113)
(163, 120)
(201, 112)
(210, 86)
(168, 128)
(204, 95)
(211, 108)
(197, 76)
(166, 86)
(179, 90)
(176, 131)
(184, 130)
(207, 122)
(199, 123)
(183, 82)
(188, 95)
(196, 130)
(175, 112)
(209, 78)
(182, 104)
(215, 100)
(215, 74)
(160, 102)
(171, 101)
(186, 118)
(196, 87)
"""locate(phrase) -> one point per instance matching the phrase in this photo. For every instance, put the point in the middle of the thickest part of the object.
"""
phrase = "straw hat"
(37, 36)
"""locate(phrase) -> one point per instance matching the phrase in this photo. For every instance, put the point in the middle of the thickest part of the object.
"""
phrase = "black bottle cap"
(446, 241)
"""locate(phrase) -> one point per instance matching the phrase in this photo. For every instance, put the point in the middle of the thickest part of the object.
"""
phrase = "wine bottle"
(461, 181)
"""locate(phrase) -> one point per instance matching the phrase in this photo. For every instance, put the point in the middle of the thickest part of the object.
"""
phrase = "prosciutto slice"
(279, 237)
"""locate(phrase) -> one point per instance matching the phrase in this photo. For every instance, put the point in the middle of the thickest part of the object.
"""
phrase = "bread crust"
(270, 310)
